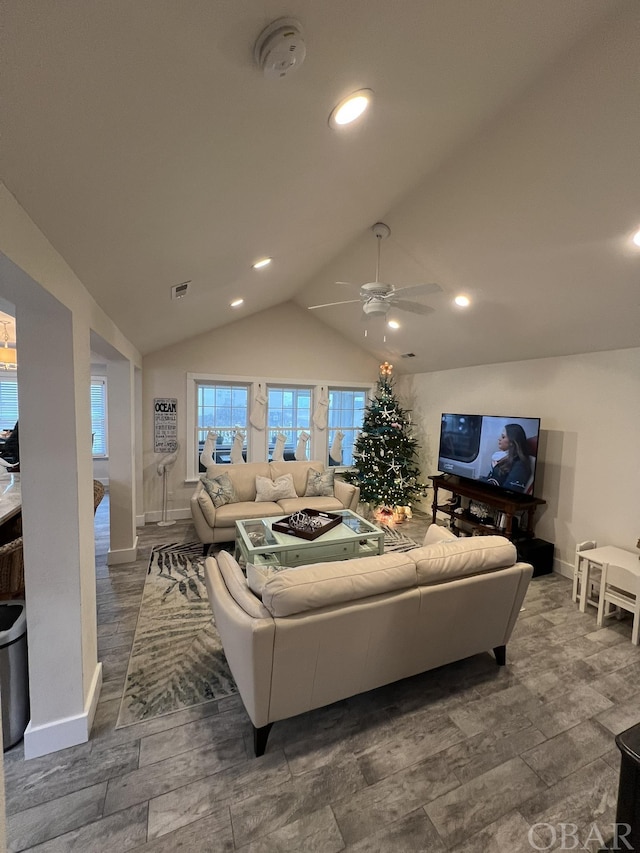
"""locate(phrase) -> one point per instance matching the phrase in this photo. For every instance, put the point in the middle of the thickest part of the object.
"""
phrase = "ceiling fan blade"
(331, 304)
(424, 289)
(414, 307)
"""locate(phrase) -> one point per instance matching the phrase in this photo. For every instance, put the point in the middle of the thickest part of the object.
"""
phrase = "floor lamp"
(163, 469)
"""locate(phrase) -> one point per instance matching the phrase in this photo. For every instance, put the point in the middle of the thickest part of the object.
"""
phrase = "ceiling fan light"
(393, 324)
(350, 108)
(263, 262)
(462, 301)
(237, 303)
(636, 238)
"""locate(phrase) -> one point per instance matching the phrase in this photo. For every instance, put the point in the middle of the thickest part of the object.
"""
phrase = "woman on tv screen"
(510, 467)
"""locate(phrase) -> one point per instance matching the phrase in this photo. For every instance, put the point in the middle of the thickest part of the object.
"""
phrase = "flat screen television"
(497, 450)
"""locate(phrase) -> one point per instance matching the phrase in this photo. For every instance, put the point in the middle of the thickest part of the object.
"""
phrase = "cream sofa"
(218, 524)
(328, 631)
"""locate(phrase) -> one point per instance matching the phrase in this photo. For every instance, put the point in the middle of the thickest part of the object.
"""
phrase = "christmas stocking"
(301, 449)
(278, 450)
(322, 410)
(336, 447)
(206, 457)
(236, 447)
(258, 416)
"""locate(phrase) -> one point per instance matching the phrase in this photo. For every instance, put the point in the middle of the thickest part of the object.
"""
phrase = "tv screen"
(497, 450)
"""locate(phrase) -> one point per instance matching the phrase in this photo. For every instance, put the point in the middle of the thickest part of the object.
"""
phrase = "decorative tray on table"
(307, 523)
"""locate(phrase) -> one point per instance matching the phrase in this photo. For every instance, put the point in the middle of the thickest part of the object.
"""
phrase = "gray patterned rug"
(177, 659)
(394, 540)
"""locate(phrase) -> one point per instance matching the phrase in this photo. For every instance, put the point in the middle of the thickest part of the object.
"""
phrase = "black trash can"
(14, 678)
(628, 811)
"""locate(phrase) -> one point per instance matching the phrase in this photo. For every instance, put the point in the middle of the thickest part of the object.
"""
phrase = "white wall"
(589, 460)
(56, 319)
(286, 343)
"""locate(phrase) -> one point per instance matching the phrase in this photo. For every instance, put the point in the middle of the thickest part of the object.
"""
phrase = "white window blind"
(8, 403)
(99, 415)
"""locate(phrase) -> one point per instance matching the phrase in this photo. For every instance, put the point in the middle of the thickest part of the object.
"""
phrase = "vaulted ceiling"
(501, 148)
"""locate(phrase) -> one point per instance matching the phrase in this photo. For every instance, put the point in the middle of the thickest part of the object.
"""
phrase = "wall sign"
(165, 424)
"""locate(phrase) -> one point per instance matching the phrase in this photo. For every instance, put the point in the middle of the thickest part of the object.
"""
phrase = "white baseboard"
(123, 555)
(69, 731)
(140, 520)
(563, 568)
(172, 515)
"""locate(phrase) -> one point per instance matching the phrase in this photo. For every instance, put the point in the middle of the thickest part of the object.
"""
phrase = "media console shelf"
(509, 505)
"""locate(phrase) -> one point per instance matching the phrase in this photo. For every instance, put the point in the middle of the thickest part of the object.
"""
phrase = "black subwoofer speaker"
(537, 552)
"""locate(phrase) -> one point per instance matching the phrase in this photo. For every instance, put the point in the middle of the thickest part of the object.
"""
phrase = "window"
(99, 415)
(346, 413)
(223, 408)
(289, 412)
(8, 403)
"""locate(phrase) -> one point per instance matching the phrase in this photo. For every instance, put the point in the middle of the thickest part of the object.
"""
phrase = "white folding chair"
(579, 572)
(620, 587)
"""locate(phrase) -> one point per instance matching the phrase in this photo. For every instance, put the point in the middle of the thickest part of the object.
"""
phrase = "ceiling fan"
(377, 297)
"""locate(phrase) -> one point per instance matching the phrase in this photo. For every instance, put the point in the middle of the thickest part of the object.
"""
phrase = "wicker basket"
(12, 570)
(98, 494)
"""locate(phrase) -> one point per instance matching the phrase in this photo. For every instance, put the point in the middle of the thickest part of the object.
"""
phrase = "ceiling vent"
(280, 48)
(408, 355)
(180, 290)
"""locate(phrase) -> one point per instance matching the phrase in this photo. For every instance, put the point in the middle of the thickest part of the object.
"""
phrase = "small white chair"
(620, 587)
(581, 571)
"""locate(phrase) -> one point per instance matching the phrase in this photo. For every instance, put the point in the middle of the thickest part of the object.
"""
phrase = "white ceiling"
(502, 149)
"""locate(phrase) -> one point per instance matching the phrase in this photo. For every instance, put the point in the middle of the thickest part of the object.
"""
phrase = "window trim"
(257, 440)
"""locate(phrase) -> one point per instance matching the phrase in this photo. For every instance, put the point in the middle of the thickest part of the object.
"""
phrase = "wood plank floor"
(469, 757)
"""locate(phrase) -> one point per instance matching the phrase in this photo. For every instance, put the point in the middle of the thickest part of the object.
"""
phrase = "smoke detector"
(280, 48)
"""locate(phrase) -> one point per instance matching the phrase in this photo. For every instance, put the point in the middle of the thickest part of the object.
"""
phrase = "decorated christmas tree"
(385, 451)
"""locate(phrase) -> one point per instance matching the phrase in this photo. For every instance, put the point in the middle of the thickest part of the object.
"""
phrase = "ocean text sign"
(165, 424)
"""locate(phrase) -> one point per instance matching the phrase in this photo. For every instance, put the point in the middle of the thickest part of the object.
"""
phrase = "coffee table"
(258, 543)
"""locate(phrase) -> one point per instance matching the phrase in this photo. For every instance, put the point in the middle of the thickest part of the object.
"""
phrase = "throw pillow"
(273, 490)
(220, 490)
(319, 483)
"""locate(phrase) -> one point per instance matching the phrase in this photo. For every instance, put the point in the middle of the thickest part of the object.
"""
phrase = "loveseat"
(289, 486)
(301, 638)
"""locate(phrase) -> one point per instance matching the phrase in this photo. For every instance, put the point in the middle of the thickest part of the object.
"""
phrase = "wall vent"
(408, 355)
(180, 290)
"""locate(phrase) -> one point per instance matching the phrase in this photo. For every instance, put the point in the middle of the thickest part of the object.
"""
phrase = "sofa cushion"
(436, 533)
(243, 476)
(206, 505)
(327, 584)
(319, 483)
(289, 505)
(257, 576)
(299, 471)
(226, 516)
(471, 555)
(236, 583)
(220, 489)
(272, 490)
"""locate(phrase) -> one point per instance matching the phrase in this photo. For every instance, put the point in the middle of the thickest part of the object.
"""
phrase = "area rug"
(394, 540)
(176, 659)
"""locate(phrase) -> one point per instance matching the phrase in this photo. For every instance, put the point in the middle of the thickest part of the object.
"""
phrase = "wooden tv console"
(509, 505)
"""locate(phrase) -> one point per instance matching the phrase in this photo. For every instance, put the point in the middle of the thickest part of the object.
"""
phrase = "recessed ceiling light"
(636, 238)
(263, 262)
(350, 108)
(237, 303)
(462, 301)
(393, 324)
